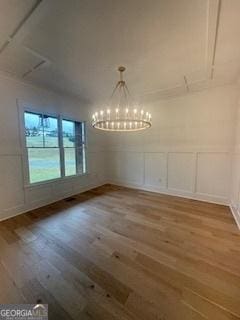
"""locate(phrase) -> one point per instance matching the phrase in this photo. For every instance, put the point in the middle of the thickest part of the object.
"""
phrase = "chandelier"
(121, 114)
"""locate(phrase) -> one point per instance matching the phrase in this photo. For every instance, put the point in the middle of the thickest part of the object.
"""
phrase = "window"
(74, 147)
(55, 147)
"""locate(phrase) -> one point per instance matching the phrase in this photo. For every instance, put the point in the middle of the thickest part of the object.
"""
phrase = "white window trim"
(22, 108)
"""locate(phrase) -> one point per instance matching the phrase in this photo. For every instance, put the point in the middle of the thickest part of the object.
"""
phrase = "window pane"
(83, 132)
(79, 133)
(32, 120)
(44, 164)
(81, 164)
(34, 139)
(33, 130)
(51, 132)
(68, 131)
(84, 165)
(70, 161)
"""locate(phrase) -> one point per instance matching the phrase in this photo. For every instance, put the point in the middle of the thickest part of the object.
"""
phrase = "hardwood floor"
(118, 253)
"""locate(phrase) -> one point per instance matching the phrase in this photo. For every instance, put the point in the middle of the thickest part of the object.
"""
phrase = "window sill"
(42, 183)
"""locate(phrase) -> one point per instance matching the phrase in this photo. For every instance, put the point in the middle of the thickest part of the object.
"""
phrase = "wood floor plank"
(119, 253)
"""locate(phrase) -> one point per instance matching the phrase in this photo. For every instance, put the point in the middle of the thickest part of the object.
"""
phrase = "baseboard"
(174, 192)
(236, 214)
(45, 203)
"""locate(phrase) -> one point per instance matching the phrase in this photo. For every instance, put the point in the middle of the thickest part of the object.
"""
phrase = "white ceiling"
(168, 46)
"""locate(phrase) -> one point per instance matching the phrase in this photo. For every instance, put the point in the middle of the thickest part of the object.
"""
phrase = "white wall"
(187, 151)
(15, 196)
(235, 185)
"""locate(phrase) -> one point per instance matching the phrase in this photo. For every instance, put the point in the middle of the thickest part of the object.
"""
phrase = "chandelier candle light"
(121, 115)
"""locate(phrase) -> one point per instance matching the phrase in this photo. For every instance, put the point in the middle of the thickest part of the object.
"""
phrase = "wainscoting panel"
(38, 194)
(80, 183)
(11, 182)
(213, 172)
(155, 169)
(197, 175)
(235, 190)
(181, 171)
(96, 165)
(126, 167)
(62, 189)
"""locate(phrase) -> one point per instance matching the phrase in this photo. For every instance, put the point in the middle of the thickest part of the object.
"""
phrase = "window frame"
(62, 177)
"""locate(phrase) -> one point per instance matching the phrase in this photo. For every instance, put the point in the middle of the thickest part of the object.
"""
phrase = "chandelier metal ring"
(122, 115)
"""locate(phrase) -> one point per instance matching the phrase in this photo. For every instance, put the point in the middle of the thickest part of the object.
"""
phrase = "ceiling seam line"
(19, 26)
(186, 83)
(216, 37)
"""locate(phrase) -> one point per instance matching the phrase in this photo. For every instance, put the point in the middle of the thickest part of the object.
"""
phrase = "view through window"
(55, 147)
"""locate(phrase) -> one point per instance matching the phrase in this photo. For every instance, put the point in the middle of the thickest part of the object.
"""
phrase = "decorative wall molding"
(185, 174)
